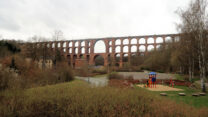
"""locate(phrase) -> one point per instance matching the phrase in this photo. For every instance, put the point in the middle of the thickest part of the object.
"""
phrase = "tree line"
(190, 54)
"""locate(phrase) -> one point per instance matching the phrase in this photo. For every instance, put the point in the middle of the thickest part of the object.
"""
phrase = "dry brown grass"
(79, 99)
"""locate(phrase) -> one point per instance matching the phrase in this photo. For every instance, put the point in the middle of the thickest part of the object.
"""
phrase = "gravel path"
(101, 81)
(144, 75)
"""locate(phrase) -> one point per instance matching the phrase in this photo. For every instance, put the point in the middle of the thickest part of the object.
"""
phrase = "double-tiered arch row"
(120, 49)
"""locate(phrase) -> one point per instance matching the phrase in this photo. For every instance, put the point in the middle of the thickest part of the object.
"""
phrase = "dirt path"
(144, 75)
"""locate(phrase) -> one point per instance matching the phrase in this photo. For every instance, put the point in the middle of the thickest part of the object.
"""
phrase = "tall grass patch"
(77, 98)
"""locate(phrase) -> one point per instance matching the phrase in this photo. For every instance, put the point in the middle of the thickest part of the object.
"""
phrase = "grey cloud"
(8, 23)
(89, 18)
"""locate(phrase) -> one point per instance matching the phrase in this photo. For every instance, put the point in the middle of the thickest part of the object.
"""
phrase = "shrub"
(100, 70)
(130, 77)
(10, 80)
(115, 75)
(4, 80)
(30, 76)
(62, 73)
(65, 73)
(84, 71)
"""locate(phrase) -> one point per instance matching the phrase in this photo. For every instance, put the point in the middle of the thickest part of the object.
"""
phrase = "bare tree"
(37, 50)
(31, 48)
(57, 36)
(195, 25)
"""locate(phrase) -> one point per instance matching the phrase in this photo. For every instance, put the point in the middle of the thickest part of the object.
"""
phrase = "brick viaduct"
(116, 48)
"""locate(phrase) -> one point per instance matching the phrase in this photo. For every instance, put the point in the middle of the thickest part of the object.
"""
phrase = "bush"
(100, 70)
(160, 71)
(10, 80)
(65, 73)
(115, 75)
(4, 80)
(130, 77)
(31, 76)
(84, 71)
(123, 70)
(62, 73)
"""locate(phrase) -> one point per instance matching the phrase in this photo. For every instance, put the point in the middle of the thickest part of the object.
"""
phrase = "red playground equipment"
(171, 83)
(152, 80)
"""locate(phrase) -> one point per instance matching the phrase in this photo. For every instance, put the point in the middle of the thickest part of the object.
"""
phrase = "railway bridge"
(116, 49)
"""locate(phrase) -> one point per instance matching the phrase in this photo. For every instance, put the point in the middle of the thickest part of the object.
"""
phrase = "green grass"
(179, 77)
(77, 98)
(201, 101)
(182, 77)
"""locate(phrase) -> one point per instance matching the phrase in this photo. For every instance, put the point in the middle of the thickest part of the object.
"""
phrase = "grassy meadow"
(77, 98)
(200, 101)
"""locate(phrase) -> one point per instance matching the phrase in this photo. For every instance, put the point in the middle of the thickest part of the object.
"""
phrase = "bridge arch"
(88, 50)
(142, 48)
(110, 43)
(59, 45)
(177, 38)
(110, 50)
(150, 47)
(142, 41)
(48, 45)
(168, 39)
(82, 50)
(70, 50)
(83, 43)
(125, 41)
(118, 49)
(117, 57)
(150, 40)
(76, 50)
(118, 42)
(125, 57)
(158, 47)
(125, 49)
(99, 47)
(53, 45)
(134, 48)
(76, 44)
(64, 44)
(99, 60)
(159, 40)
(70, 44)
(134, 41)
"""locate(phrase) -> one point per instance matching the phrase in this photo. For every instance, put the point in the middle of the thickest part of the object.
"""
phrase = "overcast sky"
(20, 19)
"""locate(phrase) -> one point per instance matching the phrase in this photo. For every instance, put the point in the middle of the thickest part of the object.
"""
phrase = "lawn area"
(188, 99)
(77, 98)
(179, 77)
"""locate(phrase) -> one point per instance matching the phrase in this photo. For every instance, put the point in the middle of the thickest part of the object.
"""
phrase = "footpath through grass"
(201, 101)
(77, 98)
